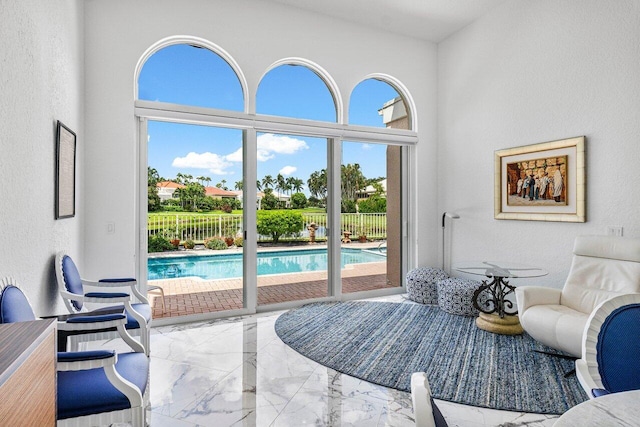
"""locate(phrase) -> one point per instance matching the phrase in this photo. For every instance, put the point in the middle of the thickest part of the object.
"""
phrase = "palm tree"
(267, 181)
(152, 176)
(239, 185)
(289, 184)
(281, 183)
(297, 185)
(317, 184)
(352, 181)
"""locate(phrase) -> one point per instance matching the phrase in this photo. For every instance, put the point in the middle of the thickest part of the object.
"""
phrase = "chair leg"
(137, 417)
(144, 327)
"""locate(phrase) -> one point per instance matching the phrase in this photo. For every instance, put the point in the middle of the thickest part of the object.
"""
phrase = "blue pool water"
(229, 266)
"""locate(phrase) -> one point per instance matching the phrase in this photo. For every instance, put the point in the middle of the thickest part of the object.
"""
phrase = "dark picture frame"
(65, 172)
(559, 164)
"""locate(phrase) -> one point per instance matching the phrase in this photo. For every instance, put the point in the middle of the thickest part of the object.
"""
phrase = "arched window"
(376, 103)
(222, 164)
(189, 74)
(295, 91)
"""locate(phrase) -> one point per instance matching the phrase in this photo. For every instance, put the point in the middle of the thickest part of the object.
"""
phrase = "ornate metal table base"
(497, 314)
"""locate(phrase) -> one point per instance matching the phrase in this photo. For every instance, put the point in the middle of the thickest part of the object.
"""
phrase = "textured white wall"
(531, 72)
(41, 81)
(256, 35)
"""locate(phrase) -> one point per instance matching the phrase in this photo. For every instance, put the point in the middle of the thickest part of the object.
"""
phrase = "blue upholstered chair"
(93, 387)
(610, 360)
(72, 290)
(425, 411)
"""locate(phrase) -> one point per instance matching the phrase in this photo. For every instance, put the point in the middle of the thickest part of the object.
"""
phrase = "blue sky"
(186, 75)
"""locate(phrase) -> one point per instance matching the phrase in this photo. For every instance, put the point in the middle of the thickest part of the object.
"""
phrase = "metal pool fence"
(199, 227)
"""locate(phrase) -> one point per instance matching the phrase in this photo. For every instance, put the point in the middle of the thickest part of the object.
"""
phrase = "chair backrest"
(602, 267)
(14, 305)
(618, 349)
(611, 344)
(69, 279)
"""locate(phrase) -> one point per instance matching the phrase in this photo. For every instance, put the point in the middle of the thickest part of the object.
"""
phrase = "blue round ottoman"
(455, 296)
(421, 284)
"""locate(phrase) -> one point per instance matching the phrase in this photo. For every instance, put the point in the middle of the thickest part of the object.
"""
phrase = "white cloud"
(215, 163)
(366, 146)
(236, 156)
(269, 145)
(288, 170)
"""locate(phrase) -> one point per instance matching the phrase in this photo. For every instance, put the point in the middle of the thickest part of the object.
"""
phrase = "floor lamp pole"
(451, 215)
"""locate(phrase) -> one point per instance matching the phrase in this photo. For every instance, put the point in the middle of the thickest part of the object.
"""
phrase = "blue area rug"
(384, 343)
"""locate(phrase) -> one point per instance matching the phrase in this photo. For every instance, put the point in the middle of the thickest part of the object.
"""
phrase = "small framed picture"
(65, 172)
(541, 182)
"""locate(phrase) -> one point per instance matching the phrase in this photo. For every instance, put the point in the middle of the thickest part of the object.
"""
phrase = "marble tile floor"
(237, 372)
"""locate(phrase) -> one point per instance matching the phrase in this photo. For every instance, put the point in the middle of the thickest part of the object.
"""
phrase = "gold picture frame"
(541, 182)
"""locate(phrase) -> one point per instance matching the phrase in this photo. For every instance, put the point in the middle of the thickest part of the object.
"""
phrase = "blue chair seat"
(74, 401)
(132, 323)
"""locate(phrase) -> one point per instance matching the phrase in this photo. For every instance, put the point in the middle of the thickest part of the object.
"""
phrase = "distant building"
(167, 188)
(365, 193)
(219, 193)
(394, 114)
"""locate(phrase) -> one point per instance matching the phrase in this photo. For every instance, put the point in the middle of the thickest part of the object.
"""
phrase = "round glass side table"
(497, 313)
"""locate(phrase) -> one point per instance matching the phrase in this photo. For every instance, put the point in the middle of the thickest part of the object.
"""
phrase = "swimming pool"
(227, 266)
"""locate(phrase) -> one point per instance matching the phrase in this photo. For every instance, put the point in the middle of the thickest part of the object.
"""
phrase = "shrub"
(314, 202)
(348, 206)
(269, 201)
(215, 243)
(239, 241)
(374, 204)
(279, 223)
(158, 243)
(298, 201)
(189, 244)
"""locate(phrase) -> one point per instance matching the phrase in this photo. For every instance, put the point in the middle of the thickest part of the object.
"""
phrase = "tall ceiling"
(431, 20)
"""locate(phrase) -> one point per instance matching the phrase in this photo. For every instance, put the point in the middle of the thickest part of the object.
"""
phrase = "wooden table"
(616, 409)
(28, 373)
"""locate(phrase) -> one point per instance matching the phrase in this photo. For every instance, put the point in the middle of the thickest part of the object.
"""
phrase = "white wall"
(256, 35)
(41, 81)
(532, 72)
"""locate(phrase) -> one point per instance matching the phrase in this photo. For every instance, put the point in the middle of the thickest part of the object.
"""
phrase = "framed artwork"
(65, 172)
(541, 182)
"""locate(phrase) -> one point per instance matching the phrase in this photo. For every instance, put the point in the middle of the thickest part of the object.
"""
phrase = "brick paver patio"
(192, 295)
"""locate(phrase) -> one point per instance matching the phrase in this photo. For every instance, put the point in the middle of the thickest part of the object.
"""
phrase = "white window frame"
(251, 124)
